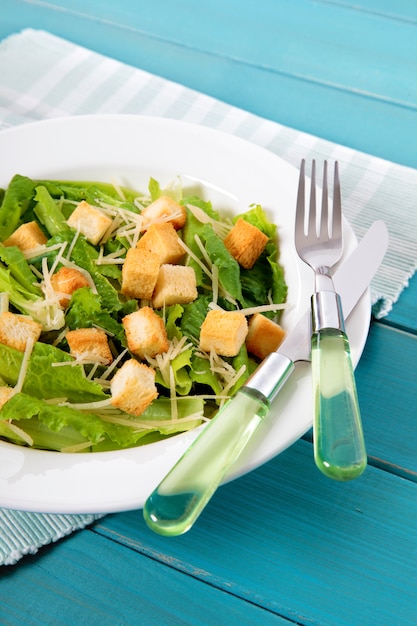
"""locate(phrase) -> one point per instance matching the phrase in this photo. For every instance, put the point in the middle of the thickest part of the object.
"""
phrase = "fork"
(339, 446)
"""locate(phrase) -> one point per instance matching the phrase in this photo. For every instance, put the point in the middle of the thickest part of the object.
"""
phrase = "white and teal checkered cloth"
(43, 76)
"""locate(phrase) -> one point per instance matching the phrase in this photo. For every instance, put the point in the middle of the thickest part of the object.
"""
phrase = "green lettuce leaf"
(49, 214)
(44, 380)
(17, 202)
(92, 191)
(54, 427)
(85, 311)
(19, 268)
(266, 278)
(193, 317)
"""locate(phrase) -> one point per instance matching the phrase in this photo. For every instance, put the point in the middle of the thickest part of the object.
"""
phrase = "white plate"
(233, 174)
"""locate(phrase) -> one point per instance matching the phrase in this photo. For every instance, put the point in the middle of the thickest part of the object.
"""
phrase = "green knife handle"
(339, 446)
(181, 496)
(175, 504)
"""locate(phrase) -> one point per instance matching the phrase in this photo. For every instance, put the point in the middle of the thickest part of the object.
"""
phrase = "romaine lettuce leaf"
(49, 214)
(19, 268)
(266, 278)
(17, 202)
(85, 310)
(194, 316)
(44, 380)
(66, 426)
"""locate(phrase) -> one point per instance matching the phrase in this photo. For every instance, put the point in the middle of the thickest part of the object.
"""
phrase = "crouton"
(164, 209)
(176, 284)
(67, 280)
(245, 243)
(89, 344)
(163, 240)
(27, 237)
(5, 394)
(133, 387)
(139, 273)
(223, 332)
(264, 336)
(90, 221)
(16, 330)
(145, 333)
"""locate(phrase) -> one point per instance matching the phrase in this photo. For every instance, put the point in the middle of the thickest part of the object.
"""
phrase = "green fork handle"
(339, 446)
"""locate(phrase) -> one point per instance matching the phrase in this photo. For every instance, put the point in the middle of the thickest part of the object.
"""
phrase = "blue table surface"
(281, 545)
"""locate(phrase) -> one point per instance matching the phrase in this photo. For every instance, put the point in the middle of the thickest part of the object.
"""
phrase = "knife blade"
(178, 500)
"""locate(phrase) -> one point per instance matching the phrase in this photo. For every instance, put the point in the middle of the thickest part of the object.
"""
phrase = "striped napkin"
(43, 76)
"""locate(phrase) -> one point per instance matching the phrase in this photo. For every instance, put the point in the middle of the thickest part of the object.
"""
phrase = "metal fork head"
(318, 237)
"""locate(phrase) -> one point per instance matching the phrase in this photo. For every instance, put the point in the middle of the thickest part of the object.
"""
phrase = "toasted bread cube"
(176, 284)
(16, 330)
(223, 332)
(5, 394)
(27, 237)
(245, 243)
(133, 387)
(264, 336)
(89, 344)
(67, 280)
(145, 333)
(139, 273)
(90, 221)
(164, 209)
(163, 240)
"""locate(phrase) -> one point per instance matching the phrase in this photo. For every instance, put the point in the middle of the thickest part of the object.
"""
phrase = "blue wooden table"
(282, 545)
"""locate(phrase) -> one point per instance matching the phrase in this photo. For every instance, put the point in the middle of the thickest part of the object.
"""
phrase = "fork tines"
(314, 222)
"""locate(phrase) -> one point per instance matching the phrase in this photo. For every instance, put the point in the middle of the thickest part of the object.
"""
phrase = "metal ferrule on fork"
(326, 311)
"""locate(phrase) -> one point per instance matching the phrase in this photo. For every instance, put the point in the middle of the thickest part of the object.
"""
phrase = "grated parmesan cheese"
(24, 366)
(220, 228)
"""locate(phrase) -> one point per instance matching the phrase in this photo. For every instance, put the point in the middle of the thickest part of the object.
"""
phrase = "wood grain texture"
(404, 312)
(282, 545)
(92, 581)
(277, 61)
(388, 396)
(302, 546)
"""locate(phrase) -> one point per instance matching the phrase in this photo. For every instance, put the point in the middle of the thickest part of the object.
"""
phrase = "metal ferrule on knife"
(326, 311)
(271, 375)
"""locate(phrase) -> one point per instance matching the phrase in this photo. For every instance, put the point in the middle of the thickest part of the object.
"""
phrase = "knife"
(178, 500)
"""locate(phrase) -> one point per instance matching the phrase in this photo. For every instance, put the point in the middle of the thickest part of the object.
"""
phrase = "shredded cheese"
(263, 308)
(113, 258)
(112, 366)
(215, 283)
(118, 189)
(78, 447)
(20, 433)
(72, 244)
(153, 424)
(225, 372)
(163, 361)
(125, 224)
(195, 258)
(24, 366)
(172, 394)
(4, 302)
(220, 228)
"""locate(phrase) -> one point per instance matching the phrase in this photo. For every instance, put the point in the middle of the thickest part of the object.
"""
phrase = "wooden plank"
(302, 41)
(388, 394)
(310, 549)
(403, 10)
(90, 580)
(334, 111)
(403, 314)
